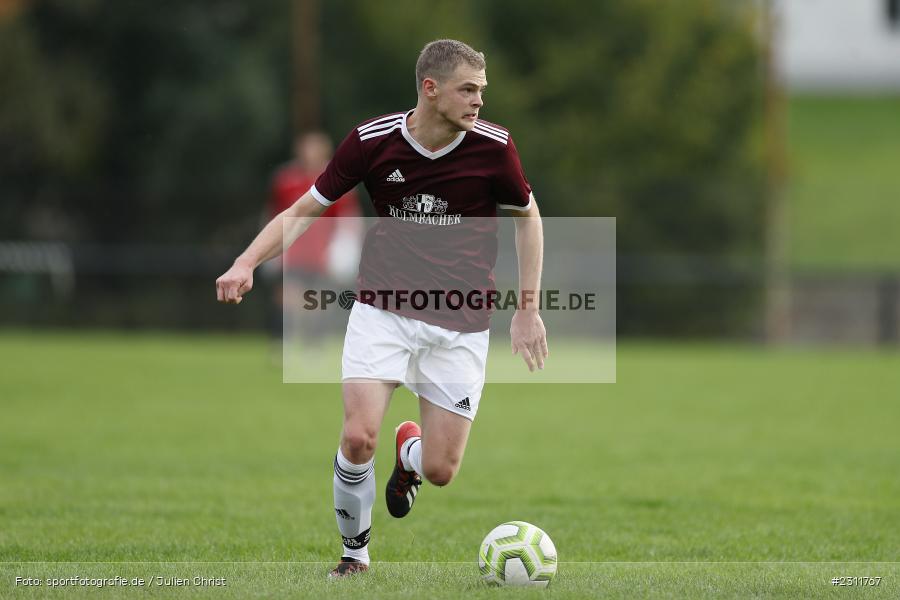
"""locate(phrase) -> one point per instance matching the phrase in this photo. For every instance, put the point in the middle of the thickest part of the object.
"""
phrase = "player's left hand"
(529, 337)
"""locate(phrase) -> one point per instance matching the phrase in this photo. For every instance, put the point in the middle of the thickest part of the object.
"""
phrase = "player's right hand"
(234, 283)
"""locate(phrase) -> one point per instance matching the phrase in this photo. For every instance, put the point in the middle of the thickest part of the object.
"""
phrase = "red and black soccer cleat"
(348, 566)
(403, 485)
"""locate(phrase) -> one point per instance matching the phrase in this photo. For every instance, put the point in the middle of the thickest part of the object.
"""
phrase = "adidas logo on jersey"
(396, 177)
(464, 404)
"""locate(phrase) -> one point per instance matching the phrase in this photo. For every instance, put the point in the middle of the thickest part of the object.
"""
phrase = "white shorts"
(442, 366)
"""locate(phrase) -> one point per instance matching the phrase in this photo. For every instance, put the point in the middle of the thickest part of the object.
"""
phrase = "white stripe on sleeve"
(318, 196)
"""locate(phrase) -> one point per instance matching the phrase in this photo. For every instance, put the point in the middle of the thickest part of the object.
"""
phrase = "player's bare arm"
(527, 332)
(274, 237)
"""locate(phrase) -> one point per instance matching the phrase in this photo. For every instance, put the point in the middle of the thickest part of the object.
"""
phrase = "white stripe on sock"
(351, 468)
(360, 554)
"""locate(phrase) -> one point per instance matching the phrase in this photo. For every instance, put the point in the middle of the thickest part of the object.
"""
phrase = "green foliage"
(51, 111)
(126, 121)
(145, 123)
(647, 106)
(640, 110)
(644, 111)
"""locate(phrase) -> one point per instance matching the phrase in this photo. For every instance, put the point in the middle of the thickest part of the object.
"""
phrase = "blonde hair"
(440, 58)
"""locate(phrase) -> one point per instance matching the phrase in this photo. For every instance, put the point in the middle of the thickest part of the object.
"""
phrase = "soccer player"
(436, 168)
(306, 264)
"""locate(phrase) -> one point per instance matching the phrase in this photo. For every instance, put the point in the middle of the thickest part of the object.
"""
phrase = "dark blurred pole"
(778, 294)
(888, 311)
(305, 85)
(10, 9)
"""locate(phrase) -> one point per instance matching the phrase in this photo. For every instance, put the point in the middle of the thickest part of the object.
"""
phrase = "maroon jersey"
(437, 211)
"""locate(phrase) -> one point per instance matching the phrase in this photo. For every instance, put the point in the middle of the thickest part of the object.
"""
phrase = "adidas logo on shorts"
(464, 404)
(396, 177)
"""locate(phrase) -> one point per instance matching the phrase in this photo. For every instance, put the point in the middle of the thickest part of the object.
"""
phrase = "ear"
(429, 87)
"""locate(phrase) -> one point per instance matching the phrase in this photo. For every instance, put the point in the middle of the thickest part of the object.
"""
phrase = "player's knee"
(439, 475)
(358, 444)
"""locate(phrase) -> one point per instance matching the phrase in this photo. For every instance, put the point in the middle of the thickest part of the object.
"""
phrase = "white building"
(839, 45)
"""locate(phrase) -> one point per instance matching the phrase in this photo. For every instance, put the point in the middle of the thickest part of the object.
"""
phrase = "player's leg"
(439, 454)
(448, 378)
(376, 355)
(434, 451)
(365, 402)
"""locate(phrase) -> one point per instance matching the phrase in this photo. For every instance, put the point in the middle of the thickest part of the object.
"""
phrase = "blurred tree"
(649, 111)
(52, 114)
(144, 123)
(642, 110)
(135, 121)
(370, 51)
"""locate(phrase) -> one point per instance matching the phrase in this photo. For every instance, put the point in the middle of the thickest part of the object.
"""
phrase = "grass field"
(706, 471)
(844, 181)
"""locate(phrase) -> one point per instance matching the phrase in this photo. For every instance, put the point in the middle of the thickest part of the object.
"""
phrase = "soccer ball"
(517, 553)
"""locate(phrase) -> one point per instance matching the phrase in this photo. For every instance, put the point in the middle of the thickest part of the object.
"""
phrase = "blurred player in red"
(313, 261)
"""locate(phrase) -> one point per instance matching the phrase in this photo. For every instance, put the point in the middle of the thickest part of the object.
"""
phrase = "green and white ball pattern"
(517, 553)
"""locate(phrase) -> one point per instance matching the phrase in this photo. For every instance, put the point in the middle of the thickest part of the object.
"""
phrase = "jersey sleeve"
(343, 173)
(512, 187)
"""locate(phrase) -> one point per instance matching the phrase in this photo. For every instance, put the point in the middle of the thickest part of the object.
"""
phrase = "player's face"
(461, 97)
